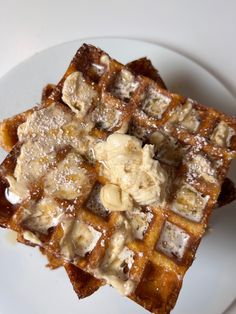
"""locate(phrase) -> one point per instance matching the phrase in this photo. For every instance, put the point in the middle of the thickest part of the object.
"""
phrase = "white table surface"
(203, 30)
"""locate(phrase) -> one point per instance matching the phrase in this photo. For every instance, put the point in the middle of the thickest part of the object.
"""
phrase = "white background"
(203, 30)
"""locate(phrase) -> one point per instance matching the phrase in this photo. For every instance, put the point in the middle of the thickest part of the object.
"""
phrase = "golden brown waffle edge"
(162, 266)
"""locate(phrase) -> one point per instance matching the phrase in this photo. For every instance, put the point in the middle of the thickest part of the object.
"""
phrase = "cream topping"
(125, 163)
(114, 199)
(139, 222)
(186, 116)
(44, 133)
(78, 240)
(17, 189)
(124, 128)
(222, 134)
(31, 237)
(78, 94)
(118, 261)
(40, 135)
(68, 179)
(42, 215)
(12, 197)
(155, 103)
(105, 60)
(190, 203)
(107, 118)
(124, 85)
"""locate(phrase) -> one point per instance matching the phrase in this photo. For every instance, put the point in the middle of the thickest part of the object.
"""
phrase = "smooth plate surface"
(26, 286)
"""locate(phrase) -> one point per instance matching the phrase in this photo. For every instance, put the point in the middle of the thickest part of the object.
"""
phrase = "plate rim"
(138, 40)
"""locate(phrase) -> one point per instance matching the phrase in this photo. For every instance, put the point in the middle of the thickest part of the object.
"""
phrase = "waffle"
(142, 66)
(83, 283)
(135, 221)
(9, 126)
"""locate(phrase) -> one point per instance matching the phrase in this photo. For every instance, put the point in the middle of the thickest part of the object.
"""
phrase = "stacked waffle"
(114, 177)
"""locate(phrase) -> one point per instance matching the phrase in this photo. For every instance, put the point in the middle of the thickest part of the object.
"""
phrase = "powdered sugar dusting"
(68, 179)
(200, 167)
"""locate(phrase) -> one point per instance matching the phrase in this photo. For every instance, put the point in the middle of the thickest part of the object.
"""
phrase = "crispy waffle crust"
(83, 283)
(193, 145)
(9, 126)
(142, 66)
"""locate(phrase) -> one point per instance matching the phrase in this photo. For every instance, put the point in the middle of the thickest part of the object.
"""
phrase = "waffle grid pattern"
(152, 270)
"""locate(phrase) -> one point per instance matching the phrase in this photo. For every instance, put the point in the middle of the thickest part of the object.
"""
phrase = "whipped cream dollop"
(124, 162)
(114, 199)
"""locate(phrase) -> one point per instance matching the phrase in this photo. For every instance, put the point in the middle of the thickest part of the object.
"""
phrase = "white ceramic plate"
(26, 286)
